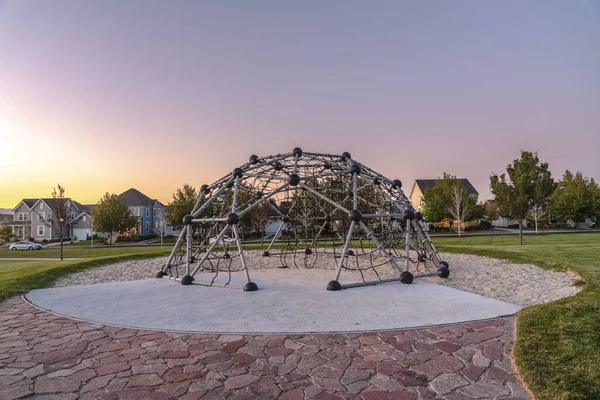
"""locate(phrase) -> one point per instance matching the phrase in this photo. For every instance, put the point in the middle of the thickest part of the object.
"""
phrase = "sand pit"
(521, 284)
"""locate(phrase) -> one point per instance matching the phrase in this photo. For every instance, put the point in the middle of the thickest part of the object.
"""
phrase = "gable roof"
(51, 202)
(425, 184)
(28, 202)
(134, 197)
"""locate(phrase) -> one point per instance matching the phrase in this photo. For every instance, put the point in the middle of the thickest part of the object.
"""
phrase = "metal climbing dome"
(324, 206)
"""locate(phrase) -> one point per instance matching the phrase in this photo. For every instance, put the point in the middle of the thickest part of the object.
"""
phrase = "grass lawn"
(19, 277)
(558, 344)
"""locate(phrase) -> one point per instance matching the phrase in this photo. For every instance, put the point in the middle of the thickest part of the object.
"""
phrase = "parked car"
(24, 246)
(225, 239)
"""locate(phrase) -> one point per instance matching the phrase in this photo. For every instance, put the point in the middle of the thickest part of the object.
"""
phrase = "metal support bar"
(327, 199)
(188, 249)
(380, 247)
(407, 245)
(210, 250)
(238, 241)
(175, 248)
(345, 253)
(369, 283)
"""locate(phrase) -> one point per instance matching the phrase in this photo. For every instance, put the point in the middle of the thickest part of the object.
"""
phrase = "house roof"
(425, 184)
(28, 202)
(51, 202)
(134, 197)
(5, 211)
(82, 207)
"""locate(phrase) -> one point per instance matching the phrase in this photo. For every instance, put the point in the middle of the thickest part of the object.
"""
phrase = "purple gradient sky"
(103, 96)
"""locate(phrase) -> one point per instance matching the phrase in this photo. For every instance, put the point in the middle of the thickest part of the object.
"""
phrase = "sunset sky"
(103, 96)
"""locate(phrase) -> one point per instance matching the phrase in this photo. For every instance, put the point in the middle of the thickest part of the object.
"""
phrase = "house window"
(72, 215)
(22, 216)
(147, 212)
(41, 206)
(41, 216)
(147, 226)
(41, 230)
(154, 212)
(84, 218)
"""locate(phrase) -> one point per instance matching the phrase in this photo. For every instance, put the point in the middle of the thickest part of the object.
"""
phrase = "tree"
(491, 211)
(576, 198)
(529, 184)
(537, 213)
(6, 233)
(449, 199)
(461, 206)
(112, 215)
(260, 216)
(183, 203)
(59, 219)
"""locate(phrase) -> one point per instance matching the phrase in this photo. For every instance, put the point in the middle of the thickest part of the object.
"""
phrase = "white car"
(225, 239)
(25, 246)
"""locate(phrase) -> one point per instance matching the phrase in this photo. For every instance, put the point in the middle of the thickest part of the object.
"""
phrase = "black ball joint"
(346, 156)
(406, 277)
(237, 172)
(232, 219)
(294, 180)
(418, 216)
(355, 215)
(187, 220)
(397, 184)
(355, 169)
(409, 214)
(160, 274)
(297, 152)
(334, 285)
(278, 166)
(253, 159)
(250, 287)
(204, 189)
(186, 280)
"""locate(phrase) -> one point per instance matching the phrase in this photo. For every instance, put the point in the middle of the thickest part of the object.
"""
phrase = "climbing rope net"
(317, 207)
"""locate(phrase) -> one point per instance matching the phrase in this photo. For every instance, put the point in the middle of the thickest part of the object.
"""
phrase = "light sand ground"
(521, 284)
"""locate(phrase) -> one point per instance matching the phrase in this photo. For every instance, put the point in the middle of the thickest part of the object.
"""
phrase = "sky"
(105, 96)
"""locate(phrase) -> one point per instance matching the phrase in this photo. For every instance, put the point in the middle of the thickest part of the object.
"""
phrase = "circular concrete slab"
(296, 303)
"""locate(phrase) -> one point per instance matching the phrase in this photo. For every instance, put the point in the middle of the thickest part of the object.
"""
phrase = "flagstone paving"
(47, 356)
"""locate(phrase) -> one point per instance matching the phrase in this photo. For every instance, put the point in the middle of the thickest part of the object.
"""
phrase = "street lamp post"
(62, 234)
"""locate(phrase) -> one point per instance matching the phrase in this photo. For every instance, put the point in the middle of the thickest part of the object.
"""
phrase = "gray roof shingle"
(425, 184)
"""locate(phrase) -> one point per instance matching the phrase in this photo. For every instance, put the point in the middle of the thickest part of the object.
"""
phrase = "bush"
(45, 241)
(31, 239)
(485, 225)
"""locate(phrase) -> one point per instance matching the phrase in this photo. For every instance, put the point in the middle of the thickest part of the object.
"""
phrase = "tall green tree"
(576, 198)
(184, 200)
(449, 199)
(111, 214)
(529, 183)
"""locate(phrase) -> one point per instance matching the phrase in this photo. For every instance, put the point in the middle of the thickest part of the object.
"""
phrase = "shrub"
(31, 239)
(45, 241)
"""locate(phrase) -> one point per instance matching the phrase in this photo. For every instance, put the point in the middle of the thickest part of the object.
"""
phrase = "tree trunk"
(61, 248)
(459, 229)
(536, 227)
(521, 231)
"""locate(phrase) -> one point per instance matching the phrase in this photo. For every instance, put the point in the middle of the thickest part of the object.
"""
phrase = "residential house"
(418, 190)
(503, 222)
(82, 223)
(32, 218)
(6, 216)
(150, 212)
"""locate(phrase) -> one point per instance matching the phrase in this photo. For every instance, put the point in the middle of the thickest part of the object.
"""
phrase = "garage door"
(81, 233)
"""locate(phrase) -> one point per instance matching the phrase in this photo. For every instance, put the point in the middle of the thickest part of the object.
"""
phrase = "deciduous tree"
(576, 198)
(184, 200)
(111, 214)
(6, 233)
(529, 183)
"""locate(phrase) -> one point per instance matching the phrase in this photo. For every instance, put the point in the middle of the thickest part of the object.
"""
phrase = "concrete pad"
(284, 304)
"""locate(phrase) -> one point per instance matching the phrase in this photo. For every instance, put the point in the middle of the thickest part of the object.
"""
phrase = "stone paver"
(45, 355)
